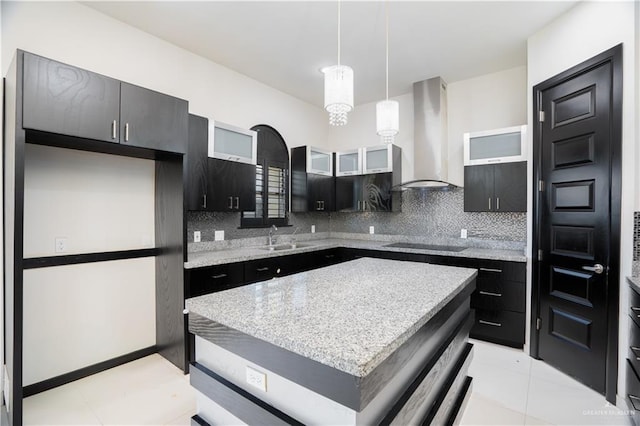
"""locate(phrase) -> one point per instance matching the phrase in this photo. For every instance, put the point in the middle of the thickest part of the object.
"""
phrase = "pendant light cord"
(338, 32)
(386, 15)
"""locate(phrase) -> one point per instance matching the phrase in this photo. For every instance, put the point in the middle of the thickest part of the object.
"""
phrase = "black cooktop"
(426, 246)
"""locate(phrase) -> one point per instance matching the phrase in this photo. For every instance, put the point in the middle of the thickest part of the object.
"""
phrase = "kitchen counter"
(635, 282)
(353, 335)
(218, 257)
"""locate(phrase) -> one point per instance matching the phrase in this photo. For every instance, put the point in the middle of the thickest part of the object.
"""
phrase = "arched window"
(272, 181)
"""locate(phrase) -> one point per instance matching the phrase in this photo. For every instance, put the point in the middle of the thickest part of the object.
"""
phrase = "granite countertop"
(350, 316)
(635, 281)
(218, 257)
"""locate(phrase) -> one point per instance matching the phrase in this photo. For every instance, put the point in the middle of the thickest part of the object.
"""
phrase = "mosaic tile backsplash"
(636, 244)
(432, 215)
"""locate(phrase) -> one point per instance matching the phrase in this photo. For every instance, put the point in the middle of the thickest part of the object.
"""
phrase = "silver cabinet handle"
(597, 268)
(491, 270)
(266, 268)
(230, 202)
(488, 293)
(359, 204)
(238, 203)
(217, 277)
(497, 203)
(489, 203)
(204, 201)
(494, 324)
(114, 124)
(126, 132)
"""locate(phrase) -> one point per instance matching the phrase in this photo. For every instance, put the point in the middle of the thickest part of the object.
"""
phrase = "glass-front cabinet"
(377, 159)
(319, 161)
(349, 163)
(227, 142)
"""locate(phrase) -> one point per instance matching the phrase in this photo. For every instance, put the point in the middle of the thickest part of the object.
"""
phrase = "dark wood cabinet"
(310, 192)
(231, 186)
(214, 278)
(196, 168)
(66, 100)
(496, 187)
(633, 354)
(371, 192)
(150, 119)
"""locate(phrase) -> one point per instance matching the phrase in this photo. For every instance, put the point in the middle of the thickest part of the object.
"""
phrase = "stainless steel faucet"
(272, 239)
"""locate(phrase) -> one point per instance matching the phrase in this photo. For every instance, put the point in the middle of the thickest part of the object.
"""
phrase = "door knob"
(597, 268)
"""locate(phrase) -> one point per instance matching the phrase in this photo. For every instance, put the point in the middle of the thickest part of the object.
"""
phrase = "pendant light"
(387, 112)
(338, 88)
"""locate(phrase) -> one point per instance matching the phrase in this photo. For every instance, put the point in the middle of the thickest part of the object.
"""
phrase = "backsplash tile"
(435, 215)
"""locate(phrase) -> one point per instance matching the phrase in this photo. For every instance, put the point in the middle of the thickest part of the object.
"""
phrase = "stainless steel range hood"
(430, 152)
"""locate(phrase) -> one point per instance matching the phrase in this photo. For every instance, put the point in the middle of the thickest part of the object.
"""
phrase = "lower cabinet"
(213, 278)
(633, 356)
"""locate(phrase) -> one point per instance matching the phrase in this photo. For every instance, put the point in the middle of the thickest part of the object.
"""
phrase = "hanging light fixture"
(338, 88)
(387, 112)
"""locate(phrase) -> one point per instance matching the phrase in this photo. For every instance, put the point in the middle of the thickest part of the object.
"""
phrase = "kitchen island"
(367, 341)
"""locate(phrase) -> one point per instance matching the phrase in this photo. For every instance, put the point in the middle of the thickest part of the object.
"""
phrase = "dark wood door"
(478, 188)
(66, 100)
(196, 165)
(348, 193)
(150, 119)
(510, 187)
(576, 226)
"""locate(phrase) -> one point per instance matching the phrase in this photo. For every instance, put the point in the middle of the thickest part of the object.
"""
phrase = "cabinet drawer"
(634, 306)
(499, 295)
(495, 270)
(265, 269)
(633, 392)
(633, 352)
(502, 327)
(215, 278)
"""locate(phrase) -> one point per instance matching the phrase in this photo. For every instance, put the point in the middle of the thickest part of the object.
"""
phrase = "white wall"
(584, 31)
(482, 103)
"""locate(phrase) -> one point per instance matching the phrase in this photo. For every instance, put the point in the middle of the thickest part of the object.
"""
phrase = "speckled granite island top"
(350, 316)
(635, 281)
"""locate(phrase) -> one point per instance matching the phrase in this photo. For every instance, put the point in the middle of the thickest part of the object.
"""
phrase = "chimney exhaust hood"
(430, 152)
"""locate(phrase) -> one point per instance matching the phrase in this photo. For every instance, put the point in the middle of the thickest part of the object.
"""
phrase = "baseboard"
(63, 379)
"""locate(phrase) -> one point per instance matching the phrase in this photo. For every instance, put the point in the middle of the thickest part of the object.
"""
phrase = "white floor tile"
(543, 371)
(183, 420)
(570, 405)
(501, 356)
(59, 406)
(483, 411)
(506, 387)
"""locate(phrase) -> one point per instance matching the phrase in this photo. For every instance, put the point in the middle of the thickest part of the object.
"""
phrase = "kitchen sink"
(420, 246)
(287, 246)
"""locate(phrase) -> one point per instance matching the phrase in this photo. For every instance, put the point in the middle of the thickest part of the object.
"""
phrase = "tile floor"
(509, 388)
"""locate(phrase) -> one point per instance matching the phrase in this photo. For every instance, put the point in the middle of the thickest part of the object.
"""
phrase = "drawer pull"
(635, 309)
(494, 324)
(265, 269)
(329, 256)
(488, 293)
(635, 401)
(635, 350)
(217, 277)
(491, 270)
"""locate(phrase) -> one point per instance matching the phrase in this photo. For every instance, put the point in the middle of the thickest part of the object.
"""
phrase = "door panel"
(574, 224)
(478, 188)
(510, 186)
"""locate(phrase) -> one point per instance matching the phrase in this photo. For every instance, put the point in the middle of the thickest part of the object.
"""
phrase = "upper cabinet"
(196, 166)
(227, 142)
(506, 145)
(318, 161)
(66, 100)
(349, 163)
(312, 181)
(380, 158)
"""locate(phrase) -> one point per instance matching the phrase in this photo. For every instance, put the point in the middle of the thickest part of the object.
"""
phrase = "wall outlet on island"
(60, 244)
(313, 229)
(372, 230)
(218, 235)
(256, 379)
(463, 233)
(196, 236)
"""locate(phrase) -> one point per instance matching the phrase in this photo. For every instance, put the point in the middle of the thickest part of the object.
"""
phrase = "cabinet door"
(321, 191)
(214, 278)
(510, 187)
(376, 192)
(348, 193)
(149, 119)
(66, 100)
(478, 188)
(195, 166)
(231, 185)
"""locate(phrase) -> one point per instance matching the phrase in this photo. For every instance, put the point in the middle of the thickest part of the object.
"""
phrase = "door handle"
(597, 268)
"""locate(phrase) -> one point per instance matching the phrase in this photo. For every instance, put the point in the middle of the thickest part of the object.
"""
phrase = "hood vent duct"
(430, 150)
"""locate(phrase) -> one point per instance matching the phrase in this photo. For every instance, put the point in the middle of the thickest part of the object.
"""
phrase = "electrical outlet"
(219, 236)
(463, 233)
(197, 236)
(372, 230)
(60, 244)
(313, 229)
(256, 379)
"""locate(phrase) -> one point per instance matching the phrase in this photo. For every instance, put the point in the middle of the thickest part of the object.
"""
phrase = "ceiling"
(284, 44)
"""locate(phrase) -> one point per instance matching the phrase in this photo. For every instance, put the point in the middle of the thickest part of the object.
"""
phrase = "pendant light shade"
(338, 93)
(387, 112)
(387, 120)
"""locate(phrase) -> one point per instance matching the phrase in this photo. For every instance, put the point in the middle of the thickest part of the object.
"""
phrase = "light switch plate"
(463, 233)
(196, 236)
(219, 236)
(60, 244)
(256, 379)
(372, 230)
(313, 229)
